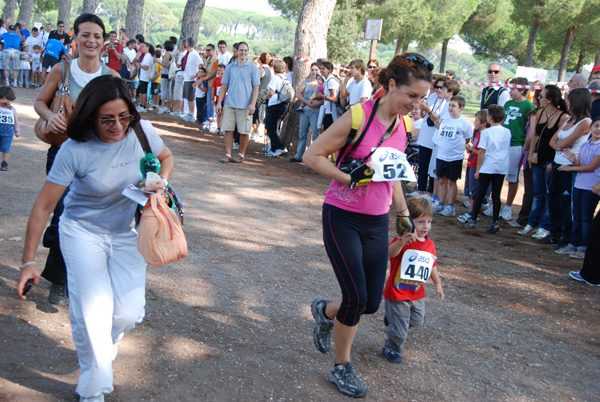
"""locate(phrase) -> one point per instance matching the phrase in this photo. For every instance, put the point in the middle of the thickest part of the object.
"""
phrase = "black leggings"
(484, 181)
(357, 246)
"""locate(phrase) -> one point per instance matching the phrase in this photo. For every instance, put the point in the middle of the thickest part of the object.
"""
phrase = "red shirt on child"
(418, 265)
(472, 159)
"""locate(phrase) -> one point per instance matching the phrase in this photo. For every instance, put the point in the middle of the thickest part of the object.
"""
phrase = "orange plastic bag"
(160, 235)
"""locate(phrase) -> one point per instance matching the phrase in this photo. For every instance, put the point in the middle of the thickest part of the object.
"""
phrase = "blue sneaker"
(577, 276)
(391, 356)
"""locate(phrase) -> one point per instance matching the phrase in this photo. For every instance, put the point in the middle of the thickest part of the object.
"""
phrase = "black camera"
(349, 164)
(430, 122)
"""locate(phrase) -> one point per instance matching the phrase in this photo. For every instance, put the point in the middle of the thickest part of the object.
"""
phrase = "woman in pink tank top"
(355, 211)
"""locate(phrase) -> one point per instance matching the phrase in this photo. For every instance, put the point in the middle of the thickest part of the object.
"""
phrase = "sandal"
(565, 251)
(226, 159)
(578, 255)
(237, 159)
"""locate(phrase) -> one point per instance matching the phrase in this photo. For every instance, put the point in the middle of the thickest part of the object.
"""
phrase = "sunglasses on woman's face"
(372, 67)
(110, 121)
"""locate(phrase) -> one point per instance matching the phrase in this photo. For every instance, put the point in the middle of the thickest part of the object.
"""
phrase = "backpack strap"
(356, 120)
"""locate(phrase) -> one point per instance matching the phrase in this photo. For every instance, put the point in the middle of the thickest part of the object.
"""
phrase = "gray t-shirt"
(98, 172)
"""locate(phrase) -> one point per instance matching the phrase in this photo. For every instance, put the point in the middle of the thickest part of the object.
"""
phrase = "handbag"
(160, 234)
(61, 104)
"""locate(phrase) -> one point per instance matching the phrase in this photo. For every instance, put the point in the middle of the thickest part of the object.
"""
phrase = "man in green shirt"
(517, 110)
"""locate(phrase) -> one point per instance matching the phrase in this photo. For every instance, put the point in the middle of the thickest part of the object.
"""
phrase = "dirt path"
(232, 321)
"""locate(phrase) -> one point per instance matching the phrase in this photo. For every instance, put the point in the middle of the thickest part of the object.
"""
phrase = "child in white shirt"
(36, 67)
(492, 164)
(453, 134)
(25, 67)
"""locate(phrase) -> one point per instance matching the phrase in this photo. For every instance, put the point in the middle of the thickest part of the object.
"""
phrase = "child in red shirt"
(215, 92)
(412, 261)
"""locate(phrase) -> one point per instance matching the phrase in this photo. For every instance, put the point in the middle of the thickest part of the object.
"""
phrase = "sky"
(260, 6)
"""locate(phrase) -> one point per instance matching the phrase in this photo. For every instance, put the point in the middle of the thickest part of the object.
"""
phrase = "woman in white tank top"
(571, 136)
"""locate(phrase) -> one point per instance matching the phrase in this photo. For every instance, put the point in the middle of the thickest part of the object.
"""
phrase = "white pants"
(106, 278)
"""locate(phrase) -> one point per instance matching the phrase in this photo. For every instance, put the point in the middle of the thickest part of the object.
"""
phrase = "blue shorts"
(473, 182)
(450, 170)
(5, 143)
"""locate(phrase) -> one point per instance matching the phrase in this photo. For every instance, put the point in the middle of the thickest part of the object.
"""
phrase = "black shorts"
(450, 170)
(49, 61)
(189, 92)
(155, 88)
(143, 88)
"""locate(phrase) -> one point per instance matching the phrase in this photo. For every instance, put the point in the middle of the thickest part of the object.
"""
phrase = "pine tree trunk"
(134, 17)
(64, 12)
(192, 16)
(597, 58)
(531, 41)
(89, 6)
(399, 46)
(25, 12)
(564, 56)
(9, 12)
(405, 46)
(580, 62)
(311, 43)
(444, 54)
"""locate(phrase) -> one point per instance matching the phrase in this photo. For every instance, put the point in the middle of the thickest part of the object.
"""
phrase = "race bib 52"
(390, 164)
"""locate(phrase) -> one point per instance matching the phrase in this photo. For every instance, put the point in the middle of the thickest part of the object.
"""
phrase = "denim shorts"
(5, 143)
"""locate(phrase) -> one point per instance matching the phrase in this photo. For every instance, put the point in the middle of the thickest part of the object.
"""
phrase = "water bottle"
(149, 163)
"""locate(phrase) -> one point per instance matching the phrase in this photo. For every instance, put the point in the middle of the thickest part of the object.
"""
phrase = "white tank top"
(562, 134)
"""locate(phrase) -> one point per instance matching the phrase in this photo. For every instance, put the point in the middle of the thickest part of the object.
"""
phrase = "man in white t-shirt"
(189, 65)
(355, 88)
(178, 84)
(144, 63)
(224, 55)
(34, 39)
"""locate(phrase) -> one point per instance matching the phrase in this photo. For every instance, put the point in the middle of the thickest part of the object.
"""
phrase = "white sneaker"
(526, 230)
(140, 109)
(236, 145)
(541, 234)
(415, 194)
(448, 210)
(175, 113)
(514, 224)
(427, 197)
(267, 148)
(187, 117)
(506, 213)
(467, 204)
(163, 109)
(99, 398)
(437, 208)
(464, 218)
(489, 211)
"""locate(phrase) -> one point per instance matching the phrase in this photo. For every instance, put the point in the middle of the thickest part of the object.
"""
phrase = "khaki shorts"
(178, 88)
(236, 118)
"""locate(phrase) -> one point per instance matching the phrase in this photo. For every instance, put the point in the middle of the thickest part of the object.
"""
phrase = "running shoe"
(391, 356)
(489, 211)
(175, 113)
(506, 213)
(514, 224)
(236, 145)
(526, 230)
(470, 224)
(467, 204)
(464, 218)
(541, 234)
(323, 332)
(344, 376)
(4, 166)
(437, 208)
(564, 251)
(427, 197)
(448, 210)
(577, 276)
(494, 228)
(577, 255)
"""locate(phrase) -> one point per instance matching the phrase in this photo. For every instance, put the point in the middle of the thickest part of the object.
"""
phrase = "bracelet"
(165, 181)
(399, 212)
(27, 264)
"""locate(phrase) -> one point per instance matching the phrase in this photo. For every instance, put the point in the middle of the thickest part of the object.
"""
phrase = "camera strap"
(352, 134)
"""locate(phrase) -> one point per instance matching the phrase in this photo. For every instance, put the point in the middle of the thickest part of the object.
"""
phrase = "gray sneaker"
(323, 332)
(58, 294)
(344, 376)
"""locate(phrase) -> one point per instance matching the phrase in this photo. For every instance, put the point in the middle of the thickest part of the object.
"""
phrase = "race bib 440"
(390, 164)
(416, 266)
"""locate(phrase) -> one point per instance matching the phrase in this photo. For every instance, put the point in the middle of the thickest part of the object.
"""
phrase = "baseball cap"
(596, 68)
(11, 28)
